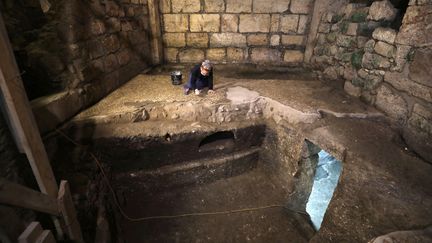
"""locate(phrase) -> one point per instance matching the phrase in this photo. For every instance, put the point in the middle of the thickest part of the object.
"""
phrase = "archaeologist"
(200, 79)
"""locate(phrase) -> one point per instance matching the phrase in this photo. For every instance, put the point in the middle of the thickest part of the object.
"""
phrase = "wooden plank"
(31, 233)
(46, 237)
(156, 36)
(21, 117)
(73, 229)
(20, 196)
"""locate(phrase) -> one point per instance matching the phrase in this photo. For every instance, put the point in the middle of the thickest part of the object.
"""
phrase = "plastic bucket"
(176, 77)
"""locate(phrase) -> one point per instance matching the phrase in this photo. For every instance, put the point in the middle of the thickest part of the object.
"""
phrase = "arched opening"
(217, 141)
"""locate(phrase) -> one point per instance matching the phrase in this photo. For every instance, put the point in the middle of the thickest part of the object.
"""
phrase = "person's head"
(206, 68)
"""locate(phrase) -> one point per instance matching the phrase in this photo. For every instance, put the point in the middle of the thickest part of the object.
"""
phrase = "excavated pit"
(238, 167)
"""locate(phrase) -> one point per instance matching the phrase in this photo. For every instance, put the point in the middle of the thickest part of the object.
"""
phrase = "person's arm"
(193, 78)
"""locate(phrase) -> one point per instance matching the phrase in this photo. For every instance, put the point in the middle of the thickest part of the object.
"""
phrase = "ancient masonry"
(235, 31)
(386, 67)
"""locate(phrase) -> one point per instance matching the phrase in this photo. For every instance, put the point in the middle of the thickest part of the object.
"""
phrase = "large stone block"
(274, 22)
(191, 56)
(204, 22)
(384, 49)
(257, 40)
(289, 23)
(216, 54)
(235, 54)
(186, 6)
(174, 39)
(392, 104)
(418, 133)
(415, 28)
(270, 6)
(171, 54)
(238, 6)
(214, 6)
(175, 22)
(254, 23)
(165, 6)
(110, 63)
(401, 57)
(197, 39)
(302, 26)
(293, 56)
(384, 34)
(227, 40)
(421, 67)
(265, 55)
(402, 83)
(301, 6)
(229, 23)
(382, 11)
(293, 40)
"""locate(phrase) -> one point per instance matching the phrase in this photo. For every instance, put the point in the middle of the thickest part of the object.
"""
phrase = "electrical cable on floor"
(166, 216)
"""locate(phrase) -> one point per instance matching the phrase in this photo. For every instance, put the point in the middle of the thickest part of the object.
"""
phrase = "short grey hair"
(206, 64)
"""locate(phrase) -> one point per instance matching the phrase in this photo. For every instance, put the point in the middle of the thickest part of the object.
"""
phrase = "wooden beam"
(31, 233)
(21, 117)
(156, 36)
(20, 196)
(67, 209)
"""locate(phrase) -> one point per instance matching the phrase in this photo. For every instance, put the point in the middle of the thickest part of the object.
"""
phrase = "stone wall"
(387, 68)
(235, 31)
(78, 43)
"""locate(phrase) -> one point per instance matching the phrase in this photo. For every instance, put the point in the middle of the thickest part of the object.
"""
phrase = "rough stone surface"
(274, 22)
(270, 6)
(413, 31)
(382, 10)
(214, 6)
(238, 6)
(191, 56)
(301, 6)
(351, 89)
(293, 56)
(374, 61)
(204, 22)
(174, 39)
(384, 49)
(197, 39)
(265, 55)
(419, 131)
(293, 40)
(171, 54)
(229, 23)
(216, 54)
(186, 6)
(384, 34)
(289, 23)
(352, 29)
(257, 40)
(392, 104)
(402, 83)
(420, 68)
(401, 57)
(254, 23)
(175, 22)
(235, 54)
(227, 40)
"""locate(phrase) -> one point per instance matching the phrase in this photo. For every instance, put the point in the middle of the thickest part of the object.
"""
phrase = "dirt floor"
(249, 190)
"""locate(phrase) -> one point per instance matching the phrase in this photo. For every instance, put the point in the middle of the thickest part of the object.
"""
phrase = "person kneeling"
(200, 78)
